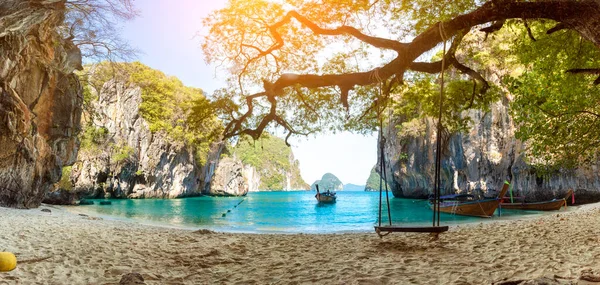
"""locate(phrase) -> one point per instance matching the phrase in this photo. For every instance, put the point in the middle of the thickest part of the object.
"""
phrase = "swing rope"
(435, 229)
(382, 140)
(438, 154)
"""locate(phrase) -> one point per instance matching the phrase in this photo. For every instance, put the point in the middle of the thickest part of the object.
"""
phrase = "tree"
(308, 65)
(557, 112)
(93, 26)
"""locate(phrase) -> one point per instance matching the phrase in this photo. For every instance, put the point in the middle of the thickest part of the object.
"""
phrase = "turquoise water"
(279, 212)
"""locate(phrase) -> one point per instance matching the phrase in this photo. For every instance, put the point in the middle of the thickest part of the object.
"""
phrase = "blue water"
(279, 212)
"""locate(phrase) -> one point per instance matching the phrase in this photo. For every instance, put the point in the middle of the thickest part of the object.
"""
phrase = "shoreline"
(87, 250)
(240, 223)
(509, 218)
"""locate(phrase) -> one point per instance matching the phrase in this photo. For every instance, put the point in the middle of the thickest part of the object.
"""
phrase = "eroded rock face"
(40, 100)
(229, 179)
(134, 162)
(479, 161)
(252, 178)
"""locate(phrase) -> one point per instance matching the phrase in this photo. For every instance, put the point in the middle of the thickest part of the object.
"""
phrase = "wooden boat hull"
(325, 198)
(551, 205)
(482, 208)
(539, 206)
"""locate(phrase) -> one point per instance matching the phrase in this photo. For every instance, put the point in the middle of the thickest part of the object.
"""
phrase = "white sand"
(83, 250)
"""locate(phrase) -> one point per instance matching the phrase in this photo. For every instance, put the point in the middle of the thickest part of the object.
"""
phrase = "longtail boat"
(325, 197)
(484, 208)
(551, 205)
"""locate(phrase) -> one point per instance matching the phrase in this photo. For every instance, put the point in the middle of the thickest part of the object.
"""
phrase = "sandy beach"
(62, 247)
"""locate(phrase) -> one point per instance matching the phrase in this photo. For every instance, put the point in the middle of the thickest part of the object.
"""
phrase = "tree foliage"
(558, 112)
(65, 179)
(309, 65)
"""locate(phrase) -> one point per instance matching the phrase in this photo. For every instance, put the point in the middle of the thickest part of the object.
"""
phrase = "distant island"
(331, 182)
(328, 182)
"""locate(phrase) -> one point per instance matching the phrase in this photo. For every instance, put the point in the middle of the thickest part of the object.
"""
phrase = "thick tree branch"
(567, 12)
(343, 30)
(450, 58)
(584, 71)
(555, 10)
(587, 71)
(558, 27)
(494, 27)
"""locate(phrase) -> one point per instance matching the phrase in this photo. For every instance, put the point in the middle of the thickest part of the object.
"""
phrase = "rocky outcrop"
(252, 177)
(128, 160)
(60, 196)
(291, 178)
(269, 164)
(479, 161)
(132, 279)
(40, 105)
(374, 181)
(229, 179)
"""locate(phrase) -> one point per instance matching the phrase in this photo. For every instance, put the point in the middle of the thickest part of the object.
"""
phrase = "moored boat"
(551, 205)
(325, 197)
(479, 208)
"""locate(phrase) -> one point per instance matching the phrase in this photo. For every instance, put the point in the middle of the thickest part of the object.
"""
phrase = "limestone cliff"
(269, 164)
(479, 161)
(229, 179)
(125, 159)
(40, 101)
(374, 181)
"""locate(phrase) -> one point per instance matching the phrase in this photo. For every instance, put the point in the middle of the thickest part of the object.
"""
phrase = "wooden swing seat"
(394, 229)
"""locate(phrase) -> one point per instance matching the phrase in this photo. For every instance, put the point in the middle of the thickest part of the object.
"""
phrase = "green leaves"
(558, 113)
(65, 179)
(420, 99)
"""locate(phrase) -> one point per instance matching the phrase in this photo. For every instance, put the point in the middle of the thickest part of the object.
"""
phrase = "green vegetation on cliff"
(373, 182)
(65, 179)
(273, 160)
(353, 187)
(182, 112)
(92, 137)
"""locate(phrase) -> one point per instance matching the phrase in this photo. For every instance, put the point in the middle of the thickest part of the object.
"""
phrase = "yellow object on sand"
(8, 261)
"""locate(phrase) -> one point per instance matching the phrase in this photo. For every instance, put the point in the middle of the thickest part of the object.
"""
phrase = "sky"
(165, 33)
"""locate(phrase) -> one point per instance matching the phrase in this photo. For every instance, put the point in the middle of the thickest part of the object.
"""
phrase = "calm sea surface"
(279, 212)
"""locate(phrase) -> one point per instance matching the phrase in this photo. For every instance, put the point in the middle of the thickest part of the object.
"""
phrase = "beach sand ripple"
(61, 247)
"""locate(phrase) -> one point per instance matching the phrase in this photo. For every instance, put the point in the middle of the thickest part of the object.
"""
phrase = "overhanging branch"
(568, 12)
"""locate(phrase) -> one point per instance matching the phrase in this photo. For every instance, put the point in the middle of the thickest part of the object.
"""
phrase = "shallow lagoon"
(279, 212)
